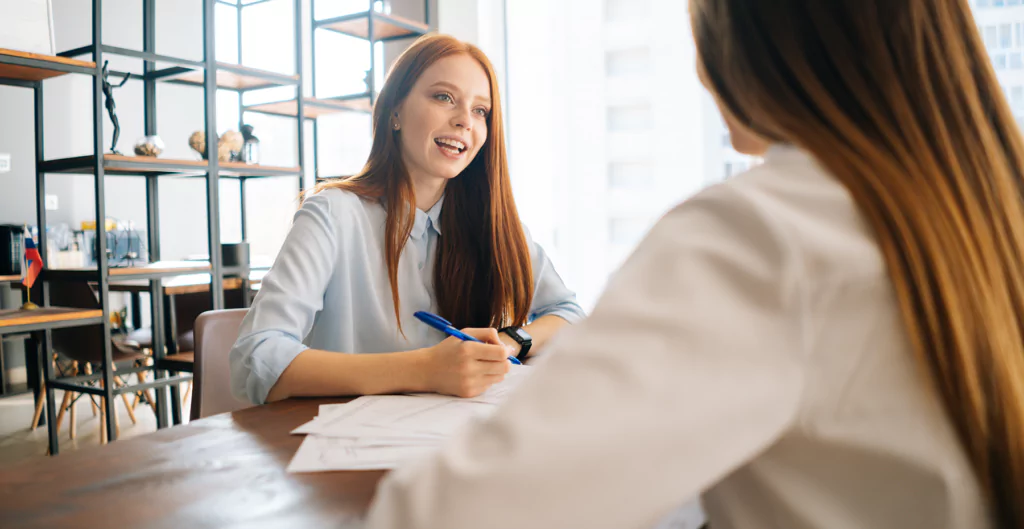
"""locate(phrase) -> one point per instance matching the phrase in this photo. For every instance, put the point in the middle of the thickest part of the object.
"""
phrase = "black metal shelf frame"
(372, 18)
(98, 166)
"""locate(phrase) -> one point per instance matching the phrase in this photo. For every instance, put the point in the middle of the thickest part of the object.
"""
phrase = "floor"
(18, 443)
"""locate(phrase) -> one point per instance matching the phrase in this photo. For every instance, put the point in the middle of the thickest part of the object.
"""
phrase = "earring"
(397, 126)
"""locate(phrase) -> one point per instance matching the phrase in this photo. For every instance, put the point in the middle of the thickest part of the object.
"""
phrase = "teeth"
(453, 143)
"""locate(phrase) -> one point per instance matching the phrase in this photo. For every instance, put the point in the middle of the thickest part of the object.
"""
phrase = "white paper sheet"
(321, 454)
(381, 431)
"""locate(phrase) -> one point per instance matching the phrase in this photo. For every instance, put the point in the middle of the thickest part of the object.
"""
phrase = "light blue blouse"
(329, 289)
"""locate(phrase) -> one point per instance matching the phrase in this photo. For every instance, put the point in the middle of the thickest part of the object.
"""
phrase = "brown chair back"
(215, 333)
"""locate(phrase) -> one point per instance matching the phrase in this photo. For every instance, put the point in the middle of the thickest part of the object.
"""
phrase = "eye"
(445, 97)
(482, 112)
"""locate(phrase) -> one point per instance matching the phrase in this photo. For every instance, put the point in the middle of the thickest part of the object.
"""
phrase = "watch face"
(523, 335)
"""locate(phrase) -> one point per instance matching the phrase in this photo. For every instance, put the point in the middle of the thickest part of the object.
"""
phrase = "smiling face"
(442, 124)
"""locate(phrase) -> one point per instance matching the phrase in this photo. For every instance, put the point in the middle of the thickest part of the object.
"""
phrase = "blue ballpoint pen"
(446, 327)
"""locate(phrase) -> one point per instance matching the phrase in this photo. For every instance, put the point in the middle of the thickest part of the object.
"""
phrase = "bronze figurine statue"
(108, 92)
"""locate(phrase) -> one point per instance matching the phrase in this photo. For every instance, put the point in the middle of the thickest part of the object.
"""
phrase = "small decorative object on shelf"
(229, 146)
(149, 146)
(198, 142)
(108, 92)
(35, 266)
(251, 148)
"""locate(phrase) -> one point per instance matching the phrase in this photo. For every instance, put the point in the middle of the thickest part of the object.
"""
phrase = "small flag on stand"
(35, 265)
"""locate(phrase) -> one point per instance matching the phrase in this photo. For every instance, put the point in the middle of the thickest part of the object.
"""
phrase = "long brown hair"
(897, 99)
(482, 275)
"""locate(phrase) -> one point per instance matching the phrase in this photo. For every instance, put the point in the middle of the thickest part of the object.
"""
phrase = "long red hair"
(482, 276)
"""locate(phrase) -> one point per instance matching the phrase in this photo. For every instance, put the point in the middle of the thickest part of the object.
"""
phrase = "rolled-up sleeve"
(550, 295)
(291, 295)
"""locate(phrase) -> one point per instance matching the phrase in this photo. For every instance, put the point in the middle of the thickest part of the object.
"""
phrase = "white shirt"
(329, 290)
(750, 350)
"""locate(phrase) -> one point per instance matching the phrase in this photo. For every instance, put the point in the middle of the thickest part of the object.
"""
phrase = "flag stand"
(35, 266)
(28, 304)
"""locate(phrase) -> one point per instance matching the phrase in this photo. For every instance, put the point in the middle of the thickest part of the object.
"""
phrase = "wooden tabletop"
(224, 471)
(7, 279)
(187, 284)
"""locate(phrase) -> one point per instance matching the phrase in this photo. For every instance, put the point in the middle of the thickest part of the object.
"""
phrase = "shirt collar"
(427, 219)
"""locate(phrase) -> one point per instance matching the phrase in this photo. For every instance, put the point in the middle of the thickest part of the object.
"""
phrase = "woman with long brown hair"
(833, 339)
(429, 224)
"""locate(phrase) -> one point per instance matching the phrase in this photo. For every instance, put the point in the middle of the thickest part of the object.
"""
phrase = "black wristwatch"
(522, 338)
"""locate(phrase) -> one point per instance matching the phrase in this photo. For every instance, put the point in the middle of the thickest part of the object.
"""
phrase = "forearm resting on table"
(317, 373)
(541, 330)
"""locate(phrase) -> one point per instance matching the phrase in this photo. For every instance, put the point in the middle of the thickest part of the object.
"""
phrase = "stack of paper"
(379, 432)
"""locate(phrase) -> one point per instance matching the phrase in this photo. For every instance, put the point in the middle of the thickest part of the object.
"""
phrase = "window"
(991, 37)
(616, 10)
(626, 231)
(636, 61)
(982, 3)
(629, 118)
(1015, 61)
(623, 175)
(1000, 61)
(1005, 36)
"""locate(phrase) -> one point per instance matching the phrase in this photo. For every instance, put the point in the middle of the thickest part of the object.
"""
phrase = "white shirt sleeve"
(689, 366)
(290, 296)
(550, 295)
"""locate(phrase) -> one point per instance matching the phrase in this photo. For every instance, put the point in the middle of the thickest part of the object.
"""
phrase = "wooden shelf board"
(161, 267)
(150, 166)
(244, 169)
(12, 317)
(384, 26)
(312, 108)
(121, 164)
(8, 279)
(49, 65)
(238, 77)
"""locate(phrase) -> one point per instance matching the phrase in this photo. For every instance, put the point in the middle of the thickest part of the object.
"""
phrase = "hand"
(467, 369)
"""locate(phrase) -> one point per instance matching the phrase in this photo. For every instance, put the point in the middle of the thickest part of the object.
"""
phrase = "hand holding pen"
(468, 362)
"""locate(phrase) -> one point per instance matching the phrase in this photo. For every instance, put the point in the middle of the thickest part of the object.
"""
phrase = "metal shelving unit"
(368, 25)
(29, 71)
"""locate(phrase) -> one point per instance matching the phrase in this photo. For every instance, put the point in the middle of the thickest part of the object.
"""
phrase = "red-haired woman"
(428, 224)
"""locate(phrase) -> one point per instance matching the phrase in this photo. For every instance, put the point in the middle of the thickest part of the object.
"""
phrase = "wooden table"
(224, 471)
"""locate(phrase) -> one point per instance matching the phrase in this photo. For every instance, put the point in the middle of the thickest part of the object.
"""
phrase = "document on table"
(381, 431)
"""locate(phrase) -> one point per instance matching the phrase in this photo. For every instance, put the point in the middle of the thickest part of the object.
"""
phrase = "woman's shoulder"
(341, 203)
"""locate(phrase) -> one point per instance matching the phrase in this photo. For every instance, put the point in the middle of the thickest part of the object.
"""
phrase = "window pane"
(630, 174)
(635, 61)
(629, 118)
